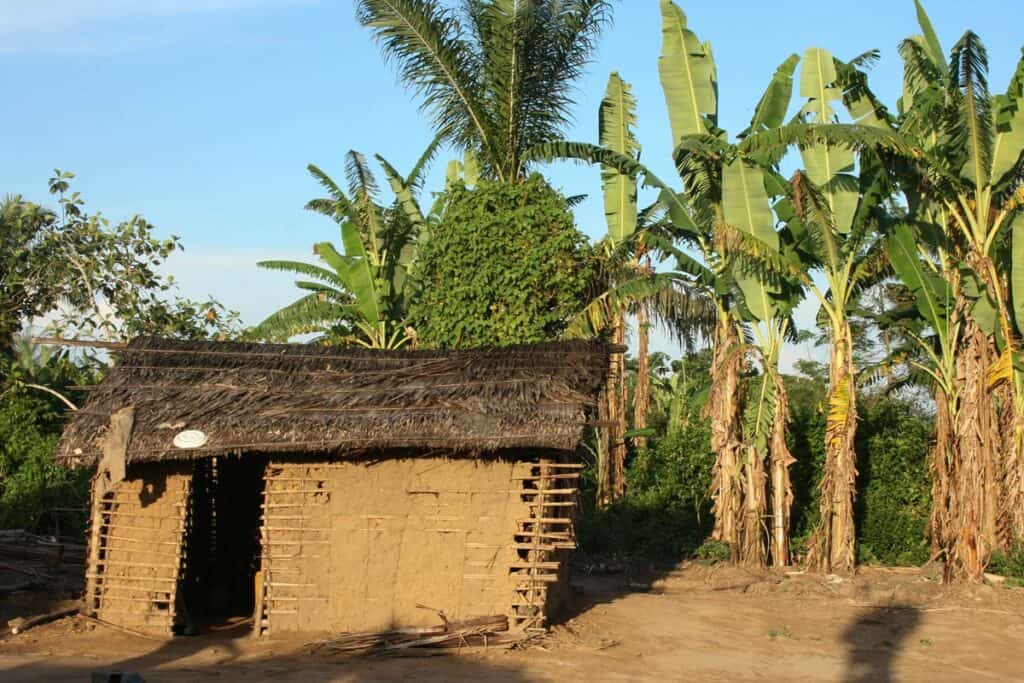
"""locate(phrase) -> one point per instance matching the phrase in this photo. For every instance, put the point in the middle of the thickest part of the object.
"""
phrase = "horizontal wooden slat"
(105, 577)
(539, 477)
(525, 580)
(544, 520)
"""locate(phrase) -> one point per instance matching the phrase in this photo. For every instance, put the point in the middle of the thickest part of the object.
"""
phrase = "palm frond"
(311, 313)
(307, 269)
(853, 137)
(337, 205)
(417, 176)
(436, 61)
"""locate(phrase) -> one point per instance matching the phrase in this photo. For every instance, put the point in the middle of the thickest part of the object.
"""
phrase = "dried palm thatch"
(280, 398)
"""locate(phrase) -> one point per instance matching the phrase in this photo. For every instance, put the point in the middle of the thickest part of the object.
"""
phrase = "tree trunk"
(938, 522)
(833, 543)
(611, 463)
(1011, 498)
(617, 412)
(642, 391)
(604, 460)
(1008, 403)
(724, 409)
(752, 549)
(781, 485)
(970, 524)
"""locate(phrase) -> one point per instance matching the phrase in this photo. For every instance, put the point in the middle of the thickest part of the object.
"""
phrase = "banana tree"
(766, 308)
(628, 283)
(921, 267)
(976, 161)
(728, 191)
(690, 85)
(359, 295)
(833, 217)
(961, 177)
(616, 119)
(697, 222)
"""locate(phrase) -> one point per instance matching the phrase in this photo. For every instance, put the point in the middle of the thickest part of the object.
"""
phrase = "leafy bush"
(31, 484)
(894, 486)
(806, 440)
(1009, 562)
(666, 513)
(506, 266)
(713, 552)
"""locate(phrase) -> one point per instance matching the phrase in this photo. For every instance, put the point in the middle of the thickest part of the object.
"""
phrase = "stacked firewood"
(451, 634)
(30, 561)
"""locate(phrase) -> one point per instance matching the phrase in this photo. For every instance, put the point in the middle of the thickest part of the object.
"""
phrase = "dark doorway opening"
(222, 549)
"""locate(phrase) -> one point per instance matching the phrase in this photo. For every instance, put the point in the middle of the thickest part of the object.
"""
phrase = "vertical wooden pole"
(110, 470)
(92, 570)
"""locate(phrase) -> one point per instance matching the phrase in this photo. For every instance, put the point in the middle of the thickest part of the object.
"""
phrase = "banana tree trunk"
(1008, 400)
(604, 461)
(724, 409)
(832, 548)
(781, 484)
(1010, 523)
(642, 391)
(752, 549)
(617, 411)
(970, 525)
(611, 463)
(941, 456)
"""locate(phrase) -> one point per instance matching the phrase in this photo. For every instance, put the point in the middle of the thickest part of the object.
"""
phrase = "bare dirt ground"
(693, 624)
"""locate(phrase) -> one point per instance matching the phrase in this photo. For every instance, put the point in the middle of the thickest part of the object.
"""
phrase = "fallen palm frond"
(475, 631)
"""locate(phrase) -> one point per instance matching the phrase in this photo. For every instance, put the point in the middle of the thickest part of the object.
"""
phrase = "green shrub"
(806, 440)
(1010, 562)
(894, 485)
(713, 552)
(666, 512)
(506, 266)
(31, 484)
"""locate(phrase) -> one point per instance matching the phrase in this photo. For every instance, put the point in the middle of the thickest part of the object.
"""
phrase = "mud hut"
(328, 489)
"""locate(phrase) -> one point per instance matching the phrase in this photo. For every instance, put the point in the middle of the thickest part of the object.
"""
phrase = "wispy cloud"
(232, 277)
(73, 26)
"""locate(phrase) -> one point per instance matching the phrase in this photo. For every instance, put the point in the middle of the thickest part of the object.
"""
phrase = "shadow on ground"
(232, 657)
(875, 639)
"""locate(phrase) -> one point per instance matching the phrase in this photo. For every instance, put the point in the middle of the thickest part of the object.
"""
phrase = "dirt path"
(695, 624)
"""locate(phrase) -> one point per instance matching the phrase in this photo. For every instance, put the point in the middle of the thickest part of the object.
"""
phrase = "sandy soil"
(693, 624)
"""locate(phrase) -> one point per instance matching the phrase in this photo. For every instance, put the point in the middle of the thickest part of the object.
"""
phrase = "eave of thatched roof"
(337, 402)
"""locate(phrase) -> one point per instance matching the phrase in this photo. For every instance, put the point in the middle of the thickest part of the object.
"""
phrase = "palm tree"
(362, 294)
(495, 77)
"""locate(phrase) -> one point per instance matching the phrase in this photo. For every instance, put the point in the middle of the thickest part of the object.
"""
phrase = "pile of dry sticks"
(29, 561)
(477, 631)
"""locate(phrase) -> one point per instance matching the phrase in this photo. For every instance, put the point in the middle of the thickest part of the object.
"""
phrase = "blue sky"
(202, 114)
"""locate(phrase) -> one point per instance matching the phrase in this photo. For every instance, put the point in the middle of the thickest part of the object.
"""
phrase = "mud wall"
(370, 546)
(135, 554)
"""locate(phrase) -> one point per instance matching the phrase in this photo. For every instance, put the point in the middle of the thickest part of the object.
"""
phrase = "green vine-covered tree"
(506, 265)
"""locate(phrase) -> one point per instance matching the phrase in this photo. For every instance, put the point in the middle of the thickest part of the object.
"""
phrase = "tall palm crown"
(495, 76)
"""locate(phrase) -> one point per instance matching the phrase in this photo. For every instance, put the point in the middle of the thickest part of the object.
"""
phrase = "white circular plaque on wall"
(190, 438)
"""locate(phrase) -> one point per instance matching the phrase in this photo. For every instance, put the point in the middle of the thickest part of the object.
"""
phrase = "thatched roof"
(337, 402)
